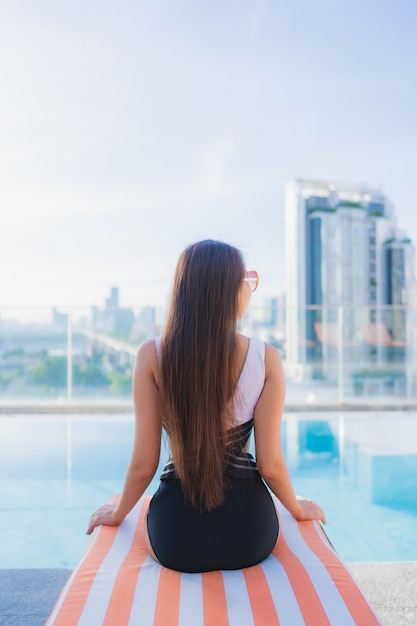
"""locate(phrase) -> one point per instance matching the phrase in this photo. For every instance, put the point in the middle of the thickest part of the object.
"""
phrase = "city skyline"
(130, 131)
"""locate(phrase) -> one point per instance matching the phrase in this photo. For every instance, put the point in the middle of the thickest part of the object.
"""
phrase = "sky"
(129, 130)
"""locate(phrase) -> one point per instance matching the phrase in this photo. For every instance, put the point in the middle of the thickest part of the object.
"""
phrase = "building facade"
(344, 262)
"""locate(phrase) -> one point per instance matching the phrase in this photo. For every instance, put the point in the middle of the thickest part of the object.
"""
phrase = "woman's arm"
(147, 442)
(269, 455)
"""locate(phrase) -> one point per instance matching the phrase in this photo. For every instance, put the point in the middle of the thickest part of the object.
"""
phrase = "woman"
(208, 386)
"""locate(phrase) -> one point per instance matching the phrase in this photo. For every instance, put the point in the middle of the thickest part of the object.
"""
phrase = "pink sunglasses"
(252, 278)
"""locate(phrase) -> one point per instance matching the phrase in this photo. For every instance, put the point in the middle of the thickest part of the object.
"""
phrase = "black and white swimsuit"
(244, 529)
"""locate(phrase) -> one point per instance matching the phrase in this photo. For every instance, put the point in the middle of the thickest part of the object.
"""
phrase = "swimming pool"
(55, 470)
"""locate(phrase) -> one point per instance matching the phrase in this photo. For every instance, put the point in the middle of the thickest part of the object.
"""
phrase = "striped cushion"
(302, 582)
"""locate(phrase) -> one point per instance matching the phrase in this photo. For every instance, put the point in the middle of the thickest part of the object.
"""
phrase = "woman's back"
(248, 388)
(243, 529)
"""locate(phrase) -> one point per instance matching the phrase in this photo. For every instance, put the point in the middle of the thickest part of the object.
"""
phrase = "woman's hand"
(309, 510)
(104, 515)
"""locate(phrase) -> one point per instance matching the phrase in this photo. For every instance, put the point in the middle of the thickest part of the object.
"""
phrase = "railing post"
(292, 442)
(409, 352)
(69, 356)
(69, 460)
(341, 397)
(342, 458)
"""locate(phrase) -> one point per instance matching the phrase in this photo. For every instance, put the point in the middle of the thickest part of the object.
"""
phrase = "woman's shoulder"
(147, 347)
(273, 362)
(254, 346)
(146, 354)
(269, 353)
(247, 340)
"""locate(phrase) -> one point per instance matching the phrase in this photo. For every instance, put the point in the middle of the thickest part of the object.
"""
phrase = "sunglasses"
(252, 278)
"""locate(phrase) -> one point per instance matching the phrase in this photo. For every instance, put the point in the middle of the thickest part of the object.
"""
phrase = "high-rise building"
(343, 257)
(399, 292)
(112, 302)
(399, 286)
(113, 319)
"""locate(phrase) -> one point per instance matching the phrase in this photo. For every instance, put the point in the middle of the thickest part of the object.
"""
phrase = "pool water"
(56, 470)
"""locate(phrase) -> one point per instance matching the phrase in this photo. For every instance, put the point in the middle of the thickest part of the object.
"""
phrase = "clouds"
(214, 162)
(131, 130)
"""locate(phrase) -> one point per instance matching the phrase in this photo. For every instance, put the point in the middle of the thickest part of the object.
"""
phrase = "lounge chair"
(303, 582)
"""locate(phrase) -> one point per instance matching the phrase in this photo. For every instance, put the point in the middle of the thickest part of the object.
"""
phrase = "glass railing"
(339, 355)
(71, 354)
(351, 354)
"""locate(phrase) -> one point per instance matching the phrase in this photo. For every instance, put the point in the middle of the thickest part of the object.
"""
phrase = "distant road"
(110, 342)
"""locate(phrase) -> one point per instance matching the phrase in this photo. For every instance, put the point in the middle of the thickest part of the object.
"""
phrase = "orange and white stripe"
(303, 582)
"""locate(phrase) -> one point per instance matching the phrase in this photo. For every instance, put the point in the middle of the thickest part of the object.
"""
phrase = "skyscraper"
(342, 253)
(399, 289)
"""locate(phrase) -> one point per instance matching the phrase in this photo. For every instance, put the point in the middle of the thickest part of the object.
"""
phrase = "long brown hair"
(198, 366)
